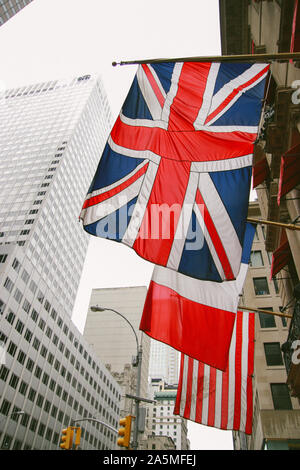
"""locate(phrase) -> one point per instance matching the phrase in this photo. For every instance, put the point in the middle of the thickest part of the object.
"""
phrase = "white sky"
(52, 39)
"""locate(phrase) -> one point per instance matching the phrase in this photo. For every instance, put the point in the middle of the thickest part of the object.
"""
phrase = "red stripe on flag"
(224, 404)
(238, 371)
(153, 84)
(199, 402)
(158, 227)
(92, 201)
(179, 389)
(188, 398)
(233, 94)
(249, 415)
(189, 97)
(212, 396)
(214, 237)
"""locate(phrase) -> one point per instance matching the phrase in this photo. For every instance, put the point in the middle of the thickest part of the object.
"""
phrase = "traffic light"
(124, 431)
(77, 437)
(67, 438)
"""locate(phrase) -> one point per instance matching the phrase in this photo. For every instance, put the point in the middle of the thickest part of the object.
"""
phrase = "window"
(3, 258)
(31, 394)
(261, 286)
(256, 260)
(28, 335)
(281, 397)
(34, 315)
(2, 306)
(25, 276)
(19, 326)
(16, 265)
(23, 387)
(21, 357)
(14, 380)
(276, 286)
(12, 348)
(4, 371)
(273, 354)
(33, 286)
(18, 295)
(5, 407)
(10, 317)
(26, 306)
(8, 284)
(267, 321)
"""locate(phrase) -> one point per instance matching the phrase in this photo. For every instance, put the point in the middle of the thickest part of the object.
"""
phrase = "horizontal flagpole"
(268, 312)
(277, 224)
(280, 56)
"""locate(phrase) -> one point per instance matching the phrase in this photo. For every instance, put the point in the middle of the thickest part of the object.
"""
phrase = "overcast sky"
(52, 39)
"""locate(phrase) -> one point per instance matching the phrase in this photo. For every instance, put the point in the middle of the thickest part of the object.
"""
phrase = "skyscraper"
(51, 135)
(164, 362)
(9, 8)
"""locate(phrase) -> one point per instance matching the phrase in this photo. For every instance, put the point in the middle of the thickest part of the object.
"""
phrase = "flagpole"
(280, 56)
(268, 312)
(278, 224)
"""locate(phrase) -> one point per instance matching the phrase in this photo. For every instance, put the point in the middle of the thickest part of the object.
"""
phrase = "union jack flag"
(173, 181)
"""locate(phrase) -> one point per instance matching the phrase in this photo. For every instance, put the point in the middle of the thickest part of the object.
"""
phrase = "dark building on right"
(269, 27)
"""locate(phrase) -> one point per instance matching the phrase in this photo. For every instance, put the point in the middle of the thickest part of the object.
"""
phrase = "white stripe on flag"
(183, 222)
(207, 95)
(222, 221)
(140, 207)
(148, 92)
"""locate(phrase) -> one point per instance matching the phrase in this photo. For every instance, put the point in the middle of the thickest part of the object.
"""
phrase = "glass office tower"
(9, 8)
(51, 137)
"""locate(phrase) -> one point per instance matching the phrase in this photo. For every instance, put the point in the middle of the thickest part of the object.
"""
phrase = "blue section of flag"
(229, 184)
(196, 260)
(112, 168)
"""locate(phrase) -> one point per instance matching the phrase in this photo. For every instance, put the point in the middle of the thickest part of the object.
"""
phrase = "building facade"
(160, 418)
(273, 27)
(114, 342)
(9, 8)
(164, 362)
(276, 414)
(51, 135)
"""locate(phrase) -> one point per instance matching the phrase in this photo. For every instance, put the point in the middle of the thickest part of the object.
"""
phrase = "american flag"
(173, 181)
(220, 399)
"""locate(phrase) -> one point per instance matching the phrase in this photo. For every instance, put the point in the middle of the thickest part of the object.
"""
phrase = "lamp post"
(96, 308)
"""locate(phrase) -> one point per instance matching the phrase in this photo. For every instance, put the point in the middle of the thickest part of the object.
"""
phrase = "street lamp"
(96, 308)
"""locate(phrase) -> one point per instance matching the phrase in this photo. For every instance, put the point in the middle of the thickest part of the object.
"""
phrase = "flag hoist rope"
(280, 56)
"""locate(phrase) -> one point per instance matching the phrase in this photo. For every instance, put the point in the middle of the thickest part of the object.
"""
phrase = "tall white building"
(164, 362)
(112, 337)
(9, 8)
(51, 136)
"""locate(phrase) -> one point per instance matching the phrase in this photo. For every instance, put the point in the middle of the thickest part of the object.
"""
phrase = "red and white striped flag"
(221, 399)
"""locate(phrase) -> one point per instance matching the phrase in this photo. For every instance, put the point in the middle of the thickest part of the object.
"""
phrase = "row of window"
(47, 432)
(32, 395)
(8, 284)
